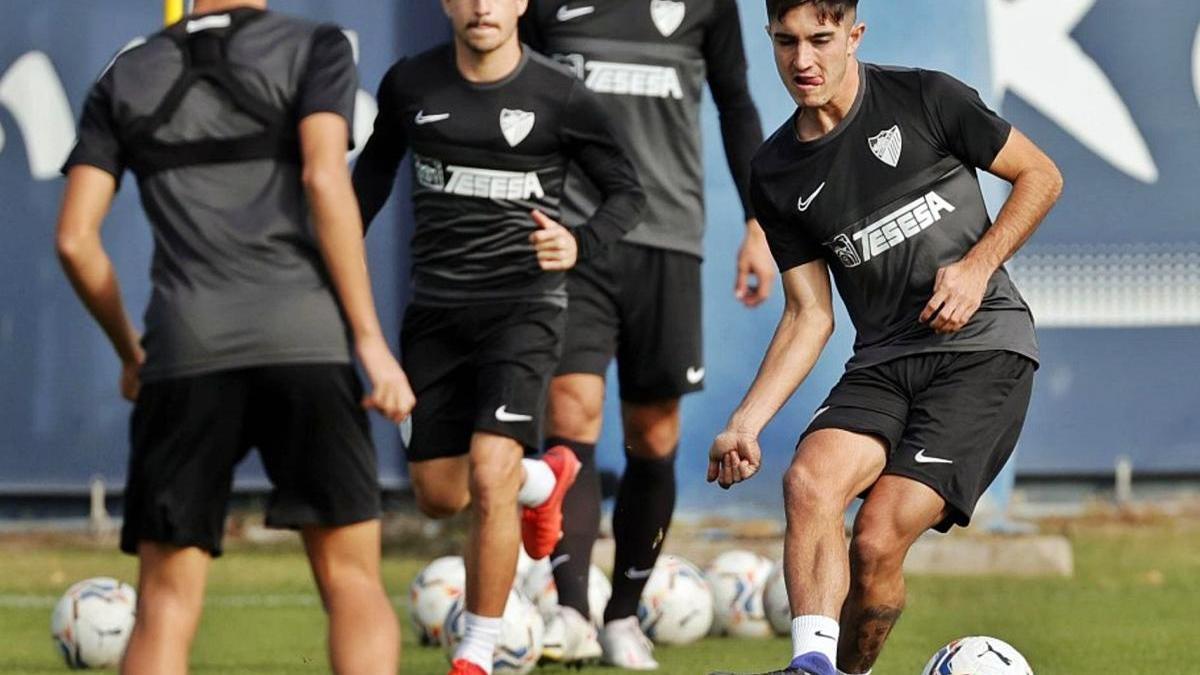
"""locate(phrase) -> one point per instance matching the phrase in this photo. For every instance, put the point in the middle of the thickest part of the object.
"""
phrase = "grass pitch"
(1132, 608)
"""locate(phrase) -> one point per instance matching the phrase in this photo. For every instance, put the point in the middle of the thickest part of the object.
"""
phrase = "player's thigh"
(315, 442)
(590, 338)
(832, 466)
(515, 359)
(187, 434)
(963, 427)
(660, 351)
(440, 485)
(344, 553)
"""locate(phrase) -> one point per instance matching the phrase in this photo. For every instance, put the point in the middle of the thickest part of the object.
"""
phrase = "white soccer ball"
(775, 602)
(432, 593)
(538, 585)
(521, 633)
(737, 579)
(92, 622)
(676, 607)
(977, 656)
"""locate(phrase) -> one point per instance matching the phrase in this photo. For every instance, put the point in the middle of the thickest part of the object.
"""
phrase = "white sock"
(538, 484)
(815, 633)
(479, 640)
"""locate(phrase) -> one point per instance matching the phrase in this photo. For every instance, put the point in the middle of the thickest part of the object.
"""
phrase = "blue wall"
(61, 420)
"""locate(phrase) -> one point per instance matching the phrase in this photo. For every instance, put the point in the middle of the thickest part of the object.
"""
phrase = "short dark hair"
(834, 10)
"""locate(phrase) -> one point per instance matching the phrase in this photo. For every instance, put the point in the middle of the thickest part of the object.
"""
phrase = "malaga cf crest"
(667, 15)
(887, 145)
(515, 125)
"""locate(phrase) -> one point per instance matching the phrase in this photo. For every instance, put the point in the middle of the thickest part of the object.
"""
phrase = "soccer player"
(236, 123)
(491, 127)
(648, 61)
(874, 179)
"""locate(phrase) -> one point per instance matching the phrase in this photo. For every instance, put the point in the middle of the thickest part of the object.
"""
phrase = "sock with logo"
(572, 558)
(538, 484)
(479, 640)
(645, 502)
(815, 633)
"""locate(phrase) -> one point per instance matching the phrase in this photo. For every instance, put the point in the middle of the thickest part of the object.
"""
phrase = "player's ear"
(857, 30)
(522, 6)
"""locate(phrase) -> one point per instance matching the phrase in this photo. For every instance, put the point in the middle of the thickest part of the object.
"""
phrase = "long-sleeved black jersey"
(648, 61)
(484, 156)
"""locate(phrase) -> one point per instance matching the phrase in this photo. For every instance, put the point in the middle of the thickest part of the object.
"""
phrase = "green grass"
(1132, 608)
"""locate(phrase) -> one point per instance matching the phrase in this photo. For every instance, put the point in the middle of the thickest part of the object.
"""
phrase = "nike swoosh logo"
(803, 203)
(827, 637)
(215, 21)
(567, 14)
(694, 375)
(636, 574)
(559, 560)
(922, 458)
(422, 118)
(820, 411)
(503, 415)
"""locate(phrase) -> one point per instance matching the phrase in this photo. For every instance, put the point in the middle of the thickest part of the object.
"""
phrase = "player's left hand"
(733, 458)
(556, 247)
(754, 260)
(957, 293)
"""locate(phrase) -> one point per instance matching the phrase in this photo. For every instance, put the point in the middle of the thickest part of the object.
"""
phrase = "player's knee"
(441, 503)
(495, 481)
(652, 431)
(574, 412)
(876, 551)
(804, 494)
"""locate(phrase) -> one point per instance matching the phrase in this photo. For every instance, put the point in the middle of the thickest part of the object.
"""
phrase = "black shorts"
(189, 433)
(479, 368)
(951, 419)
(641, 305)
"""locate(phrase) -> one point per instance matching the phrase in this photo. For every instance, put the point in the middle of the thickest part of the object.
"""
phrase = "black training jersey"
(648, 60)
(484, 156)
(238, 279)
(888, 197)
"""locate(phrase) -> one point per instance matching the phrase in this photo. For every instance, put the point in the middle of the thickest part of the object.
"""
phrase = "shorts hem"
(309, 517)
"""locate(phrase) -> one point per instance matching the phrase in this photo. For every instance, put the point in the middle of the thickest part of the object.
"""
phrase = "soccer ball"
(538, 585)
(432, 593)
(676, 607)
(92, 622)
(775, 602)
(977, 656)
(737, 579)
(520, 643)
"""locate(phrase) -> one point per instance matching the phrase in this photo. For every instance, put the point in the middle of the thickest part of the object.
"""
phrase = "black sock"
(642, 515)
(581, 526)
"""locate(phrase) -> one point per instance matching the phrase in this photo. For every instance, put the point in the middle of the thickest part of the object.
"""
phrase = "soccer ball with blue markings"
(432, 593)
(521, 632)
(92, 622)
(737, 580)
(977, 656)
(676, 607)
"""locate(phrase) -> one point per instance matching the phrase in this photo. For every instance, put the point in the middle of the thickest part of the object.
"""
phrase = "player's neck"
(209, 6)
(813, 123)
(484, 67)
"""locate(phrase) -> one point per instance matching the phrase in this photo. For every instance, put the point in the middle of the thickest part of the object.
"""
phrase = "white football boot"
(569, 638)
(626, 646)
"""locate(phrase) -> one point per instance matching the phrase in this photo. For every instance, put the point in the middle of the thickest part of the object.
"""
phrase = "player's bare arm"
(801, 335)
(86, 201)
(959, 288)
(323, 139)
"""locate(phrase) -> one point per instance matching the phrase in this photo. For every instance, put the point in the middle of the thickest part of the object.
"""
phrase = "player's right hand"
(131, 380)
(733, 458)
(556, 247)
(390, 395)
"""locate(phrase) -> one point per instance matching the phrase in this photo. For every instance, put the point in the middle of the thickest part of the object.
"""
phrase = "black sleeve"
(589, 142)
(725, 61)
(963, 124)
(375, 170)
(98, 144)
(790, 246)
(330, 82)
(529, 29)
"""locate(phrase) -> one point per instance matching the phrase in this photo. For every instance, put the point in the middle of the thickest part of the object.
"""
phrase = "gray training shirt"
(237, 277)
